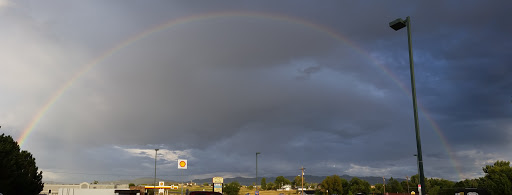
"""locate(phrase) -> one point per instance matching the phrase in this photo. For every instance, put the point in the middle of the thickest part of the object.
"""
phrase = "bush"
(232, 188)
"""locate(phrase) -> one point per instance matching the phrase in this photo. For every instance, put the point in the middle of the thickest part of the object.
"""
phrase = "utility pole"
(407, 184)
(384, 181)
(256, 183)
(154, 182)
(302, 186)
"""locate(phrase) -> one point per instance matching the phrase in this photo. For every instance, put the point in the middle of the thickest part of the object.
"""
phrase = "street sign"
(182, 164)
(218, 180)
(217, 187)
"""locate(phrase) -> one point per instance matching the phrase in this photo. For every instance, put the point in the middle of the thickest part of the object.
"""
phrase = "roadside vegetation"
(18, 171)
(497, 180)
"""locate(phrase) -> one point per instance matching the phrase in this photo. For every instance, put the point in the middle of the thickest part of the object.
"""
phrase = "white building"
(286, 188)
(83, 189)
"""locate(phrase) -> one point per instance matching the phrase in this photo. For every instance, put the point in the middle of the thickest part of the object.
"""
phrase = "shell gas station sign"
(182, 164)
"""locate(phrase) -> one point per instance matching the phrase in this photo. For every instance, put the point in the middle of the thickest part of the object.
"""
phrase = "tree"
(345, 185)
(379, 189)
(280, 181)
(394, 186)
(270, 186)
(18, 168)
(206, 184)
(332, 185)
(498, 178)
(439, 186)
(297, 182)
(467, 183)
(131, 184)
(263, 183)
(413, 184)
(232, 188)
(359, 186)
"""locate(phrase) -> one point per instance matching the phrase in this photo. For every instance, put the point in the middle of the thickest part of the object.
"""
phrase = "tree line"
(497, 180)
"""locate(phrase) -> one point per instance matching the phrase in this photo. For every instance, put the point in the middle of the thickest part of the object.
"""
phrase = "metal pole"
(182, 184)
(384, 181)
(407, 184)
(256, 183)
(154, 183)
(416, 123)
(302, 185)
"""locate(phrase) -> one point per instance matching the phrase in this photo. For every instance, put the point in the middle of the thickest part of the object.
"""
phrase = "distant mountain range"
(307, 178)
(244, 180)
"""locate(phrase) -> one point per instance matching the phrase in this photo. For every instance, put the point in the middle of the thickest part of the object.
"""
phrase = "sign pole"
(181, 178)
(182, 164)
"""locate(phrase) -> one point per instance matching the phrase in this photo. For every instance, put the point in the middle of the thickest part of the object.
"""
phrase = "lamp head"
(397, 24)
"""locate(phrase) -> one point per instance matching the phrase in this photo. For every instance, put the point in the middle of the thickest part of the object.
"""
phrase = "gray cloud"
(217, 90)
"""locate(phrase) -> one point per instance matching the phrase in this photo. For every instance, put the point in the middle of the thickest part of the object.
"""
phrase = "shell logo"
(182, 164)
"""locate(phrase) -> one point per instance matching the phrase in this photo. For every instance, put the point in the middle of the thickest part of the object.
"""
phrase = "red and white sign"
(182, 164)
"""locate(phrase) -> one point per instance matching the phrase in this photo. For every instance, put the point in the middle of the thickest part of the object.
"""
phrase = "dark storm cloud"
(207, 89)
(462, 74)
(216, 91)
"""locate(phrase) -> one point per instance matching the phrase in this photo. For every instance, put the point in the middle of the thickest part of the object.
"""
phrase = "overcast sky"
(320, 84)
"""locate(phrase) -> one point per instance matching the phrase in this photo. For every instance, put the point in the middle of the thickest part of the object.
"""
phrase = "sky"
(91, 88)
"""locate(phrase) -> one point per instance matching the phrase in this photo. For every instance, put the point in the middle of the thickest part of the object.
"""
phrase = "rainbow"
(207, 16)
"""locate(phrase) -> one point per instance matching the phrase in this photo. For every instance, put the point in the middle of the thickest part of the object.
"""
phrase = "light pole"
(154, 183)
(302, 182)
(407, 184)
(397, 25)
(256, 183)
(384, 181)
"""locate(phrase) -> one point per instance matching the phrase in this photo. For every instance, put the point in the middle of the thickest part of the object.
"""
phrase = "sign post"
(217, 184)
(419, 189)
(182, 164)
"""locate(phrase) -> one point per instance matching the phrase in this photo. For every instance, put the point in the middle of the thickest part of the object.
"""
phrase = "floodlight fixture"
(398, 24)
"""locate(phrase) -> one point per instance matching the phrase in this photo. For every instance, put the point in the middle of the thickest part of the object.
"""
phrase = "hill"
(246, 181)
(307, 178)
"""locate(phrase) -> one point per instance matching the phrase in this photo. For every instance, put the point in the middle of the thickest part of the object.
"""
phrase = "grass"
(266, 192)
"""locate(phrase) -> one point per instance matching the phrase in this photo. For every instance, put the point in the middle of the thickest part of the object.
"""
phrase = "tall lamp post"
(154, 183)
(256, 183)
(397, 25)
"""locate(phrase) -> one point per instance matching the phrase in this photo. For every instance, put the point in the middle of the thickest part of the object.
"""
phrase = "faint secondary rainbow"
(207, 16)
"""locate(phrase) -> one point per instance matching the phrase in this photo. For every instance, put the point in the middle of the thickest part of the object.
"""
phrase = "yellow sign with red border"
(182, 164)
